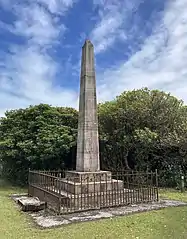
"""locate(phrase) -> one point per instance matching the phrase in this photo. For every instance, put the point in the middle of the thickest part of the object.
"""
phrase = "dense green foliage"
(144, 130)
(39, 137)
(140, 129)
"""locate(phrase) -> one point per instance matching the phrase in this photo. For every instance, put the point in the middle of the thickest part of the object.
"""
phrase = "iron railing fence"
(66, 194)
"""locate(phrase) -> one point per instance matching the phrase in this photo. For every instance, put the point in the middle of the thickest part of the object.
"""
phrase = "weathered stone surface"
(31, 204)
(85, 177)
(87, 141)
(90, 187)
(104, 199)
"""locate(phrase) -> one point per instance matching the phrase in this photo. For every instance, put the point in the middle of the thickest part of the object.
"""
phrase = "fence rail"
(65, 193)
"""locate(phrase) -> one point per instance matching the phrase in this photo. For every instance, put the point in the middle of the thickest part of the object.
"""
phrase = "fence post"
(182, 184)
(29, 177)
(29, 182)
(60, 195)
(156, 174)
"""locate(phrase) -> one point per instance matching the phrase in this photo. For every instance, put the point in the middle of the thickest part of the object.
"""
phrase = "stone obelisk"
(88, 139)
(88, 178)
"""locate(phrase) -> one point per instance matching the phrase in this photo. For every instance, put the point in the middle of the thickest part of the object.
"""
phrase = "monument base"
(88, 176)
(96, 200)
(90, 190)
(89, 182)
(105, 199)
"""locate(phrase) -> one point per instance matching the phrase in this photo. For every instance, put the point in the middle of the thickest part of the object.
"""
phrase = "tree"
(38, 137)
(140, 130)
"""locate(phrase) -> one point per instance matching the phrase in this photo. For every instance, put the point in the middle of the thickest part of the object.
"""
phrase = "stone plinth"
(106, 199)
(86, 177)
(89, 182)
(91, 187)
(94, 200)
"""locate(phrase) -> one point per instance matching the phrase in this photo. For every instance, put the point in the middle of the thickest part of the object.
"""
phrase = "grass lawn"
(165, 223)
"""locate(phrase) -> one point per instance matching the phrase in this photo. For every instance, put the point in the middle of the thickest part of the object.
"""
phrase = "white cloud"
(37, 25)
(57, 6)
(112, 22)
(161, 62)
(105, 33)
(27, 71)
(54, 6)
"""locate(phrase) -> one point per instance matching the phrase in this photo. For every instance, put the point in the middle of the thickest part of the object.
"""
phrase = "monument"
(88, 187)
(88, 178)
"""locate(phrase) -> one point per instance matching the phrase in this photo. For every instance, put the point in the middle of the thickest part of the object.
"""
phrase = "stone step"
(110, 198)
(102, 204)
(64, 193)
(31, 204)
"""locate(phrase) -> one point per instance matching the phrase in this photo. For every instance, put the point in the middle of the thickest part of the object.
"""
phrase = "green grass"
(165, 223)
(173, 194)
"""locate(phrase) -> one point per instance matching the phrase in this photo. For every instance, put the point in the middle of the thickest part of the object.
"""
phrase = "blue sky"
(138, 43)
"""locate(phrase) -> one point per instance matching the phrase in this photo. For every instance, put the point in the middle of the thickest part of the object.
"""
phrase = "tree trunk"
(126, 161)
